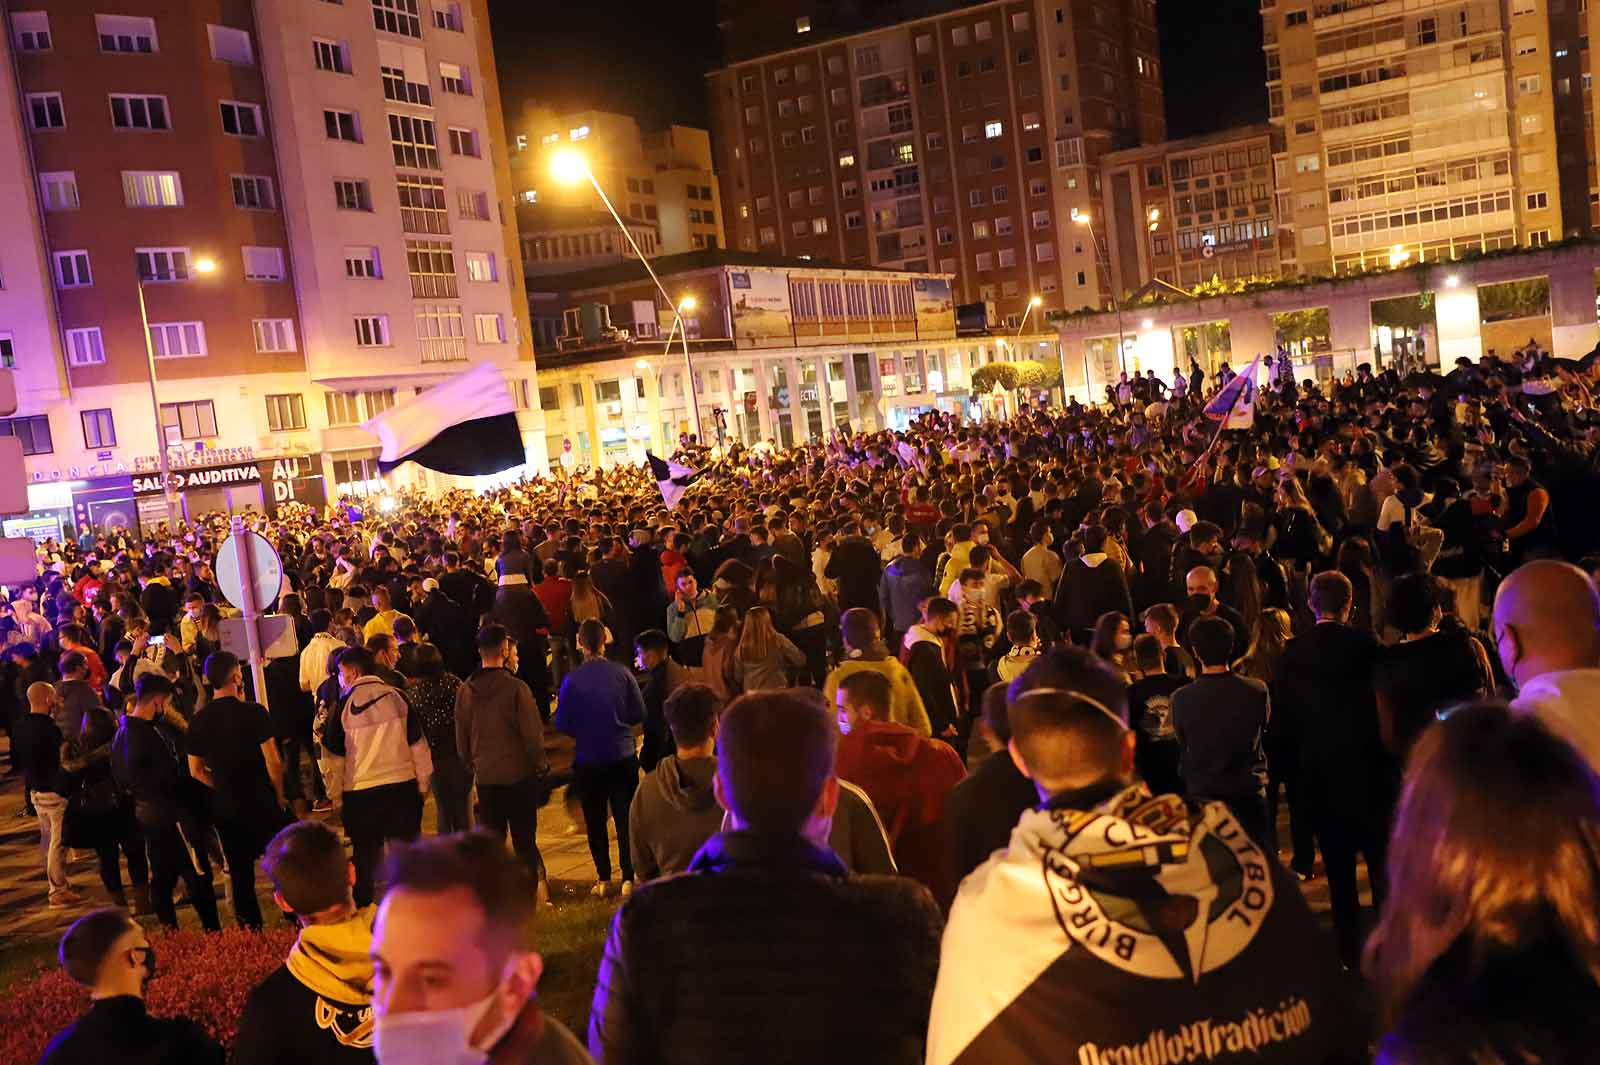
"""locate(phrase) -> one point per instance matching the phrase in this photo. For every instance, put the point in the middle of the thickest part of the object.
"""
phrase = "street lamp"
(1083, 219)
(1152, 218)
(202, 265)
(1398, 256)
(569, 167)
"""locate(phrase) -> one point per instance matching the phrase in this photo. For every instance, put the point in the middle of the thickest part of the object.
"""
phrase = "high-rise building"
(664, 179)
(931, 135)
(1429, 132)
(318, 201)
(1185, 211)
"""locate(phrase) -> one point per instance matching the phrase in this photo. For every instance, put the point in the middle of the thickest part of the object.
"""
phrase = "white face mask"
(432, 1037)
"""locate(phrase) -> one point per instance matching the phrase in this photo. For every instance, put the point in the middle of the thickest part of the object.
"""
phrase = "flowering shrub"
(205, 977)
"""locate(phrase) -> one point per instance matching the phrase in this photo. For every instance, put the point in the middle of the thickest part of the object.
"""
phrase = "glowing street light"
(203, 265)
(1152, 218)
(1452, 281)
(1082, 218)
(569, 167)
(1398, 256)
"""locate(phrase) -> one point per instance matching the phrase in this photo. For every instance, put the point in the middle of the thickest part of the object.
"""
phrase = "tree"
(1309, 324)
(985, 377)
(1404, 312)
(1030, 374)
(1514, 299)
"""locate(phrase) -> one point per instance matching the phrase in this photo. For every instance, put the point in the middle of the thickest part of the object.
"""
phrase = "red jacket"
(907, 776)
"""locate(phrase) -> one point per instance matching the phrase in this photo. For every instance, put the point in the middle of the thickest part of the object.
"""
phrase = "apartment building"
(1429, 130)
(1185, 211)
(663, 179)
(400, 216)
(245, 161)
(952, 138)
(779, 348)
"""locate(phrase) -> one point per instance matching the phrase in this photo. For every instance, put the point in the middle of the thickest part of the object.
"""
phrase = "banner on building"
(761, 313)
(295, 479)
(936, 308)
(211, 477)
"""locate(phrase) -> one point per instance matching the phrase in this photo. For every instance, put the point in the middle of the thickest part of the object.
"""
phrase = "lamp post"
(1083, 219)
(570, 167)
(201, 266)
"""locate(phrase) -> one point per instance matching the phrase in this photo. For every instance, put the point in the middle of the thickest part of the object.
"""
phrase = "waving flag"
(465, 426)
(671, 478)
(1235, 405)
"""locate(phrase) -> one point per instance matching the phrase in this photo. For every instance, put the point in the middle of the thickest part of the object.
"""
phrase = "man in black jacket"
(857, 567)
(107, 952)
(676, 984)
(159, 599)
(981, 810)
(316, 1008)
(1347, 782)
(146, 762)
(1091, 585)
(36, 744)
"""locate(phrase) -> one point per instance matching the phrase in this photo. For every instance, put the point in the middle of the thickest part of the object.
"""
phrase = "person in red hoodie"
(907, 776)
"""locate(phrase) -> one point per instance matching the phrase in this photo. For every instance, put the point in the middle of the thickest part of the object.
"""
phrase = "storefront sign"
(34, 528)
(177, 459)
(194, 458)
(214, 477)
(294, 480)
(809, 394)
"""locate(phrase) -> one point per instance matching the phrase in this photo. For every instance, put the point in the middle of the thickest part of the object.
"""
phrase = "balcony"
(443, 349)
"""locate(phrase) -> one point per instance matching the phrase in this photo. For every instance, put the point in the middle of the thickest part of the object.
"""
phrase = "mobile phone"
(158, 641)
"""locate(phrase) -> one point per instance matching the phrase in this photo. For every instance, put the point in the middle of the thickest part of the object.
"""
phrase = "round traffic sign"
(266, 570)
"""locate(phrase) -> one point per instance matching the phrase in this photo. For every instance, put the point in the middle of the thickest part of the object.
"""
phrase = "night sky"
(648, 58)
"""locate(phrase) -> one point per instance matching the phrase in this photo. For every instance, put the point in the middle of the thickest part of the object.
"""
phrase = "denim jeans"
(51, 810)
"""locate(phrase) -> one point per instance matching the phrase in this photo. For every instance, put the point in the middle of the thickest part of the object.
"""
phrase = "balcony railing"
(443, 349)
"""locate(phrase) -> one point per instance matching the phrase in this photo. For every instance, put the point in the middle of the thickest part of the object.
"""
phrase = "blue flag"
(1235, 404)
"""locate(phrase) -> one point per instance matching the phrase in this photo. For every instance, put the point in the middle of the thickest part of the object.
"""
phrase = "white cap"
(1186, 520)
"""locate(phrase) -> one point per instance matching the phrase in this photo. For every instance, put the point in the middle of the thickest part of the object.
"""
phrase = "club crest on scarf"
(1156, 887)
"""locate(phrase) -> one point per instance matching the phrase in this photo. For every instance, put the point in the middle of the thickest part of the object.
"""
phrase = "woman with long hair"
(765, 656)
(717, 661)
(1488, 950)
(800, 614)
(1113, 636)
(588, 603)
(1301, 538)
(1356, 562)
(1273, 632)
(1239, 586)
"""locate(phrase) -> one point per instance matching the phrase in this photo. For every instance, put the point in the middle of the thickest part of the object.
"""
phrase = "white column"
(1574, 330)
(1455, 310)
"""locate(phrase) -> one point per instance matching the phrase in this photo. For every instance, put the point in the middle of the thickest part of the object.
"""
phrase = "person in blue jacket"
(599, 707)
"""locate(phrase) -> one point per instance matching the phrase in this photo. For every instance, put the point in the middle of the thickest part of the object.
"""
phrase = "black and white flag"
(673, 479)
(465, 426)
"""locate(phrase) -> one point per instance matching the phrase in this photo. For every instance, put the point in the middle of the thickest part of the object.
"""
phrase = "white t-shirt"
(1392, 511)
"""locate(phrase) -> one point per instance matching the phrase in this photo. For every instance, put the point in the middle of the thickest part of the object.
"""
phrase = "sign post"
(250, 573)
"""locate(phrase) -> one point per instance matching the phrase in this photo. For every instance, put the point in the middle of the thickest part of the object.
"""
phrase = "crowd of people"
(977, 742)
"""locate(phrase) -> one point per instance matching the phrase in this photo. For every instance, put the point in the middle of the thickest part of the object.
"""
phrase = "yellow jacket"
(905, 706)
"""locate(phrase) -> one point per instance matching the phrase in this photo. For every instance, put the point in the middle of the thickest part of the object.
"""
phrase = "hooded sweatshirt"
(673, 813)
(1135, 930)
(379, 738)
(908, 778)
(498, 730)
(932, 665)
(317, 1007)
(906, 706)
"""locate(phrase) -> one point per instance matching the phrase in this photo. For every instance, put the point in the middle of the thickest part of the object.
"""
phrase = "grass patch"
(572, 937)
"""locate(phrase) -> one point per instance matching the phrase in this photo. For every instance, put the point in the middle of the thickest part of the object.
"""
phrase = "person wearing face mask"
(454, 970)
(107, 952)
(675, 984)
(316, 1008)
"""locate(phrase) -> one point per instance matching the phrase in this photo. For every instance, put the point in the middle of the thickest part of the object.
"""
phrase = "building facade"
(1431, 129)
(777, 349)
(958, 139)
(664, 179)
(245, 161)
(1185, 211)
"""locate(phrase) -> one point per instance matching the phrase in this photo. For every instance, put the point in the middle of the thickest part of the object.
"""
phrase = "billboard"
(936, 309)
(760, 301)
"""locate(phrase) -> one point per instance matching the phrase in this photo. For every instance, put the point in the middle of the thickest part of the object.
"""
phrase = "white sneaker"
(627, 888)
(542, 895)
(599, 889)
